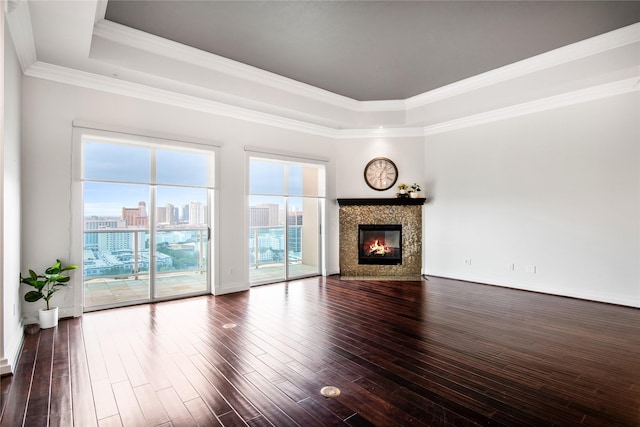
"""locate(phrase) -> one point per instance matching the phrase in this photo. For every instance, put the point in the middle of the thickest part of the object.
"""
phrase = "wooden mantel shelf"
(407, 201)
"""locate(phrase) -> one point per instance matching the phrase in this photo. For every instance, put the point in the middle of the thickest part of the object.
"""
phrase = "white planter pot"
(414, 194)
(48, 318)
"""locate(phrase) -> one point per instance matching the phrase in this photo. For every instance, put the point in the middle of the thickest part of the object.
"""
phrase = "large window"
(286, 201)
(147, 219)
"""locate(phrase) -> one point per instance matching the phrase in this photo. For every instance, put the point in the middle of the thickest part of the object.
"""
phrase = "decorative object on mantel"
(45, 285)
(380, 173)
(402, 190)
(415, 190)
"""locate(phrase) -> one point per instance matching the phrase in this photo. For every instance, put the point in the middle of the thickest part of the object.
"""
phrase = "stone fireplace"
(396, 225)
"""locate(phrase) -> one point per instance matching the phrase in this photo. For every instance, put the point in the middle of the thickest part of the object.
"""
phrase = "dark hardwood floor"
(428, 353)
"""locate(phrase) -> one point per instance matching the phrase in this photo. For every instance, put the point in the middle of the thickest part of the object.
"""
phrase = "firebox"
(380, 244)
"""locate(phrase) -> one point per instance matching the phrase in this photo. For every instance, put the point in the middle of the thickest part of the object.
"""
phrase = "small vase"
(48, 318)
(402, 191)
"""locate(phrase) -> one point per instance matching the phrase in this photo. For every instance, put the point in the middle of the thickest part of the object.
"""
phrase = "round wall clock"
(380, 173)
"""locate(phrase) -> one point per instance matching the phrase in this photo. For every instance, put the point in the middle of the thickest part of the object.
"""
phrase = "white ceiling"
(338, 69)
(375, 50)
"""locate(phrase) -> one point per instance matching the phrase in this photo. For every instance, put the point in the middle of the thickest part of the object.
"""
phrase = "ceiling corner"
(21, 30)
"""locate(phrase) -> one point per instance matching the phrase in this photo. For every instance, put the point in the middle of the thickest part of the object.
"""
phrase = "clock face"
(380, 173)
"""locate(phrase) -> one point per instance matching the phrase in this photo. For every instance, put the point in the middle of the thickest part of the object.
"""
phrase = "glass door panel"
(116, 244)
(266, 239)
(303, 234)
(181, 240)
(146, 221)
(284, 219)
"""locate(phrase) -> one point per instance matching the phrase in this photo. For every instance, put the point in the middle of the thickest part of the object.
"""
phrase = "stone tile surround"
(407, 212)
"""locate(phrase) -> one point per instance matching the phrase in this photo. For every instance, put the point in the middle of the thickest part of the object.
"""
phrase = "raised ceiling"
(375, 88)
(375, 50)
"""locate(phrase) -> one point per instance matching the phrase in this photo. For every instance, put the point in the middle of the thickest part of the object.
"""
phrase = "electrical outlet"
(511, 267)
(468, 262)
(531, 269)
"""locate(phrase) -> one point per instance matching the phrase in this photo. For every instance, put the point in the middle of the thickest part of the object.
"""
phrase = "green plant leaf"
(48, 283)
(33, 296)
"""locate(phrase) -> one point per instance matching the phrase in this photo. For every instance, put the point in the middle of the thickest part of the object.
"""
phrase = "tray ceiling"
(375, 50)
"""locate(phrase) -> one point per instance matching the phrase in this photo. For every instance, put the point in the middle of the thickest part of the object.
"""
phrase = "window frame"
(82, 131)
(252, 152)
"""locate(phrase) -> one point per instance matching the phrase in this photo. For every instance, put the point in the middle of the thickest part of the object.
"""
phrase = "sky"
(123, 174)
(118, 176)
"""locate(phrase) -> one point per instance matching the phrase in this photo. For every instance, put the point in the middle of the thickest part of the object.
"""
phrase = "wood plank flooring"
(426, 353)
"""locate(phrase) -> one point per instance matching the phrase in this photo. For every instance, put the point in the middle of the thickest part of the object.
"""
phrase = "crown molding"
(19, 23)
(150, 43)
(404, 132)
(101, 10)
(381, 106)
(134, 90)
(111, 85)
(138, 39)
(562, 55)
(570, 98)
(86, 80)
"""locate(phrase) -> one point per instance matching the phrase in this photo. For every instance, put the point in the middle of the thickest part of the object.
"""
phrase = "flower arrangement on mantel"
(409, 191)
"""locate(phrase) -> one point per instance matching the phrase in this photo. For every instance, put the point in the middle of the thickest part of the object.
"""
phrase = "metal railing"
(112, 252)
(267, 245)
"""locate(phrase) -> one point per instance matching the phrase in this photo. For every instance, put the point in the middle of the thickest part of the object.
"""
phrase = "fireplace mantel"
(406, 212)
(397, 201)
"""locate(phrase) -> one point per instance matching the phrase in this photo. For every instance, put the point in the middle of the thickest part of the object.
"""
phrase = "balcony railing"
(114, 252)
(267, 245)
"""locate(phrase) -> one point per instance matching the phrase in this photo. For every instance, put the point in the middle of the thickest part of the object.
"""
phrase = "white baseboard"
(230, 288)
(8, 364)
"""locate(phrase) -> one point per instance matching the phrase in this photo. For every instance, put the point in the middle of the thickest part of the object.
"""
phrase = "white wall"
(558, 190)
(11, 295)
(49, 110)
(47, 165)
(353, 156)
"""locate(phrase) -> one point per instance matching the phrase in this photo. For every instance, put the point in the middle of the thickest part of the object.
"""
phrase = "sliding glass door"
(285, 206)
(147, 222)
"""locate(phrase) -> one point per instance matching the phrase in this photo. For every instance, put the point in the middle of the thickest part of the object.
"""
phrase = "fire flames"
(377, 248)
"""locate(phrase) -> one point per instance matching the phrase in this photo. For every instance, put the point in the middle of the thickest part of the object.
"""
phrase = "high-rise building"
(294, 217)
(264, 215)
(136, 217)
(95, 223)
(161, 215)
(175, 215)
(167, 214)
(110, 242)
(258, 216)
(196, 213)
(103, 223)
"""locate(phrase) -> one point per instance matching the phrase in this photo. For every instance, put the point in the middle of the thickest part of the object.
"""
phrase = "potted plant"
(415, 189)
(45, 285)
(402, 188)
